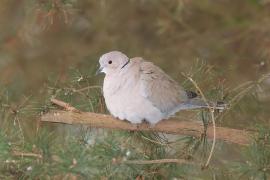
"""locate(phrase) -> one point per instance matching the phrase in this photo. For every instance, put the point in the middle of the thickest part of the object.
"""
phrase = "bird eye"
(110, 62)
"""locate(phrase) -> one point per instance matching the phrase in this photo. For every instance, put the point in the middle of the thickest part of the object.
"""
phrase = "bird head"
(112, 62)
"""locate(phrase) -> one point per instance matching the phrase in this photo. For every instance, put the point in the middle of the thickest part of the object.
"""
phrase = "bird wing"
(160, 89)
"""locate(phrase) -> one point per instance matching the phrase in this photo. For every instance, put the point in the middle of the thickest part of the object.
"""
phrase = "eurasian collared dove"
(137, 90)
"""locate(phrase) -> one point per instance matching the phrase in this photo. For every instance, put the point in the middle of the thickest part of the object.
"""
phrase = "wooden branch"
(171, 126)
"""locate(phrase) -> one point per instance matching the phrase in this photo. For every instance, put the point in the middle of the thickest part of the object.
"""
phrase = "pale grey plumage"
(160, 89)
(138, 90)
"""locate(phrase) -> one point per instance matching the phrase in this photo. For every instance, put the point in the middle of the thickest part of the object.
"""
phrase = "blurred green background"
(43, 36)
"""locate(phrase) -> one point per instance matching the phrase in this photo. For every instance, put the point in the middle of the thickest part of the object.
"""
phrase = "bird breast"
(124, 100)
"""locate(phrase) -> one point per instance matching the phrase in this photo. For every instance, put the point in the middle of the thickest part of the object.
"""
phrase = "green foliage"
(4, 148)
(64, 151)
(256, 163)
(54, 151)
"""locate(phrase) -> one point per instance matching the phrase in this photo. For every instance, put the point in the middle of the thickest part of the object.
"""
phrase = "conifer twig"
(211, 110)
(214, 139)
(87, 88)
(157, 161)
(25, 154)
(170, 126)
(64, 105)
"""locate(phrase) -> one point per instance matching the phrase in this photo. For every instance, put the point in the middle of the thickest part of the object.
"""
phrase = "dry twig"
(158, 161)
(25, 154)
(211, 110)
(64, 105)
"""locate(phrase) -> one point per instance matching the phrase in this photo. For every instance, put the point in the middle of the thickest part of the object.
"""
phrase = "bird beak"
(99, 71)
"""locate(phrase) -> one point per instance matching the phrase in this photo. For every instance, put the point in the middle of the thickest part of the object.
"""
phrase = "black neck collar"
(126, 64)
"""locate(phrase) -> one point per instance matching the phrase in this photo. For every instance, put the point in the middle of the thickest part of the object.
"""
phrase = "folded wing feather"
(161, 90)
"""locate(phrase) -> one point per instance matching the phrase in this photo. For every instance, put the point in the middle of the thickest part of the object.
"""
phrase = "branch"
(158, 161)
(64, 105)
(26, 154)
(170, 126)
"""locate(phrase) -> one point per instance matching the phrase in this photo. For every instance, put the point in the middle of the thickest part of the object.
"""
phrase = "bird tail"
(197, 103)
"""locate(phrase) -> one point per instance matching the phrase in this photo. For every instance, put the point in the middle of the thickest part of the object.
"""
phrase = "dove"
(137, 90)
